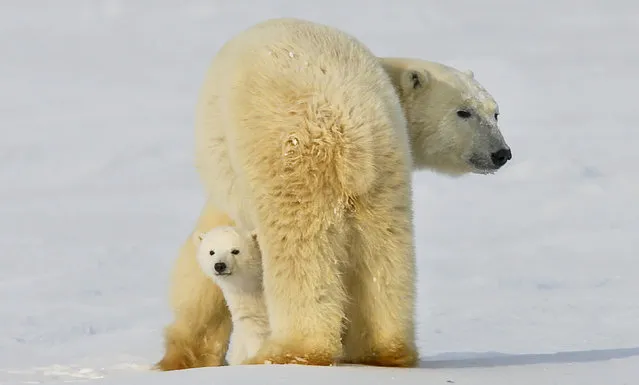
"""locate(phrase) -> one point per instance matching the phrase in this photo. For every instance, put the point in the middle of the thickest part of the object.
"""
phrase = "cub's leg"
(238, 351)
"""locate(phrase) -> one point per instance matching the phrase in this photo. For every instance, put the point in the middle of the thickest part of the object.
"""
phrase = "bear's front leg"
(381, 327)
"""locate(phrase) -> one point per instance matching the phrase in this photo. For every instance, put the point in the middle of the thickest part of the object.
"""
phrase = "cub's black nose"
(500, 157)
(219, 266)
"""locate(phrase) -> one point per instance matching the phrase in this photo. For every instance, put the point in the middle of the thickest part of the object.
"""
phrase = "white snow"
(529, 276)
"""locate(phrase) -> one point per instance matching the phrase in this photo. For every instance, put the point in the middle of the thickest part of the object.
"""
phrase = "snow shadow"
(496, 359)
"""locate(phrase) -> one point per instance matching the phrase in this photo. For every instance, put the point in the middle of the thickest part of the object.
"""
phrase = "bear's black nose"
(500, 157)
(219, 266)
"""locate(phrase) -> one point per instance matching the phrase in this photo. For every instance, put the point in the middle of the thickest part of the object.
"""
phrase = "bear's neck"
(395, 68)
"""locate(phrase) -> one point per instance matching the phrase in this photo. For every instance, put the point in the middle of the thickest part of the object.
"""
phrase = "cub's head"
(452, 120)
(230, 257)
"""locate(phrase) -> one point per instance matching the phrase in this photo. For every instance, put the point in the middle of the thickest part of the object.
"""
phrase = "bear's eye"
(463, 114)
(496, 115)
(235, 251)
(211, 252)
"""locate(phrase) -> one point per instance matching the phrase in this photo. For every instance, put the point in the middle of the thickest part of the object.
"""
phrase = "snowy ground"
(528, 276)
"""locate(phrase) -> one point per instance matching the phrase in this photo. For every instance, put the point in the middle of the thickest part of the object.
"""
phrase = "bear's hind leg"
(302, 235)
(305, 294)
(380, 328)
(200, 334)
(189, 346)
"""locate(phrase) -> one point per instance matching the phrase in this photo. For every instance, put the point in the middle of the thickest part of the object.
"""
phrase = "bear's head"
(230, 257)
(452, 120)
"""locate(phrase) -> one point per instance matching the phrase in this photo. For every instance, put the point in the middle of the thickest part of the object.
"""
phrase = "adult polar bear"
(303, 134)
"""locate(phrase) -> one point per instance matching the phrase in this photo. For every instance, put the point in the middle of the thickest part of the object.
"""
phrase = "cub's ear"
(253, 235)
(197, 237)
(413, 79)
(469, 73)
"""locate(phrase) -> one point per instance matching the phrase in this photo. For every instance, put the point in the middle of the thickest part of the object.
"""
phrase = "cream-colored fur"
(231, 258)
(305, 135)
(432, 94)
(200, 334)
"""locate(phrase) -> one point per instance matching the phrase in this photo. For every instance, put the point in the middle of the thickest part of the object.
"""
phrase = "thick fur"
(432, 94)
(240, 279)
(305, 135)
(200, 333)
(317, 151)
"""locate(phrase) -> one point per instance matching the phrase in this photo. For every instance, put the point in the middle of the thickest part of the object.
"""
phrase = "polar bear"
(231, 258)
(305, 135)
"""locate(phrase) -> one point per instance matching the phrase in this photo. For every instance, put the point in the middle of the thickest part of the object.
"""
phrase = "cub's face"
(453, 121)
(230, 257)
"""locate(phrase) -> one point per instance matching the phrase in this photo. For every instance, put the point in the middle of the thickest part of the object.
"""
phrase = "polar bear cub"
(232, 259)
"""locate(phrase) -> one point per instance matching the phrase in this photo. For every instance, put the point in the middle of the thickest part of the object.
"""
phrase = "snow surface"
(529, 276)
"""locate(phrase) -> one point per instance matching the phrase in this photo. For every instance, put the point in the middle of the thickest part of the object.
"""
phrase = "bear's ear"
(197, 237)
(469, 73)
(414, 79)
(253, 235)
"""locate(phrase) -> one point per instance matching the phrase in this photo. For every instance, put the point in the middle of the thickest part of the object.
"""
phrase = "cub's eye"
(496, 115)
(211, 252)
(235, 251)
(463, 114)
